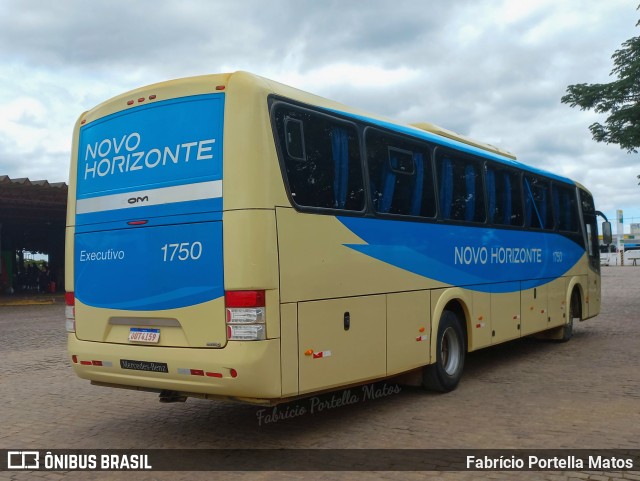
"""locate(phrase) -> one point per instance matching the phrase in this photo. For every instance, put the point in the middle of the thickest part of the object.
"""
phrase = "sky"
(494, 70)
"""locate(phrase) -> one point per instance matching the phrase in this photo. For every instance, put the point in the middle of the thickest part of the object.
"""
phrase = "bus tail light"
(70, 311)
(245, 311)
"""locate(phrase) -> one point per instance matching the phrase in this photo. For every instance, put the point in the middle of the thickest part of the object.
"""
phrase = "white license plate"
(137, 334)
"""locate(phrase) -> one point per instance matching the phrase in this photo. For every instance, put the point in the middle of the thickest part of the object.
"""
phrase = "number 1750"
(182, 252)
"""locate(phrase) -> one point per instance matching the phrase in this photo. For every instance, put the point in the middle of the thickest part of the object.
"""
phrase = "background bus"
(232, 237)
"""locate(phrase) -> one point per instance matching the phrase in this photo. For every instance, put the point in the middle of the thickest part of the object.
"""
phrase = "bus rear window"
(321, 159)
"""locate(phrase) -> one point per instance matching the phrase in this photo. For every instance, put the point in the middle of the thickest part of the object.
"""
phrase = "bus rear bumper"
(246, 371)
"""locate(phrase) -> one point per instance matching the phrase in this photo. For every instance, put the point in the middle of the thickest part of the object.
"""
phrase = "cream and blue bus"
(229, 237)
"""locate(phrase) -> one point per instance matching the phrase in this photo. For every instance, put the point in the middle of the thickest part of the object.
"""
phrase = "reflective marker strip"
(97, 363)
(143, 198)
(319, 355)
(199, 372)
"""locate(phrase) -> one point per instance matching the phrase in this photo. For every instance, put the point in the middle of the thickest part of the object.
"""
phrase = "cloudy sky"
(494, 70)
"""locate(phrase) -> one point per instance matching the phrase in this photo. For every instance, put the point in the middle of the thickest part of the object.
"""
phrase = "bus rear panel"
(147, 243)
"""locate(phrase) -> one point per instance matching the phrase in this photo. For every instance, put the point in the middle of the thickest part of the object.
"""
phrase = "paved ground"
(526, 394)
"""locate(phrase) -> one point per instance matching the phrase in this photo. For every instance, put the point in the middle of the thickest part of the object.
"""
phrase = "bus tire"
(445, 374)
(574, 310)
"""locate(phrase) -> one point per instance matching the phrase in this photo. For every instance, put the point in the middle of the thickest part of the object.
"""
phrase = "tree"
(620, 99)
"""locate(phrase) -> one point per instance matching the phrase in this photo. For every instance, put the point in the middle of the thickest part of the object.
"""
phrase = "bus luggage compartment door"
(341, 341)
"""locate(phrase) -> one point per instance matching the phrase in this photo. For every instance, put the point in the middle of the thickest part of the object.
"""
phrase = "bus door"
(593, 251)
(594, 265)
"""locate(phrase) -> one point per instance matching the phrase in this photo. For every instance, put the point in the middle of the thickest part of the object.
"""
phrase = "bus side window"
(321, 159)
(538, 213)
(565, 208)
(490, 180)
(503, 197)
(512, 199)
(294, 139)
(399, 162)
(461, 189)
(400, 175)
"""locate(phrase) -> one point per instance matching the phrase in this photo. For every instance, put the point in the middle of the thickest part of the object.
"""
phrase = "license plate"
(151, 336)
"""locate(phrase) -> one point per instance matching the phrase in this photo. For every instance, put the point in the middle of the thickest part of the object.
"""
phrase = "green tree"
(619, 99)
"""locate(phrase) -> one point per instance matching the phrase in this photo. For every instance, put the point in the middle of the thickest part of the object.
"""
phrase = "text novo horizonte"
(497, 255)
(123, 154)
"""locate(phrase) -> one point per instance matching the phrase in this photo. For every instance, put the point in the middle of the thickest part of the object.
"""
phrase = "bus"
(230, 237)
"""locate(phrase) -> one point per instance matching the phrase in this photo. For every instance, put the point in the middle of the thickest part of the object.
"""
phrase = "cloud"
(493, 69)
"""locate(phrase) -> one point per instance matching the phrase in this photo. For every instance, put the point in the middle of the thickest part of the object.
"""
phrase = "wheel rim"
(450, 350)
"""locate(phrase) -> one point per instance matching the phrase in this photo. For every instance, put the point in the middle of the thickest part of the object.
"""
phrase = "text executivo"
(119, 155)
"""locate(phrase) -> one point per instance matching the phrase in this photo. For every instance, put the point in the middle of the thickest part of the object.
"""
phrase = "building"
(32, 218)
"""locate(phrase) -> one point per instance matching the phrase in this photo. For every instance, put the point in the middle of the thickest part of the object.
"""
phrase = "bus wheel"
(574, 310)
(445, 374)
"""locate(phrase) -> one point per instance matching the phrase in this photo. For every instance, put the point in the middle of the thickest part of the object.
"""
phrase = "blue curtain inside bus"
(388, 184)
(530, 205)
(542, 212)
(507, 199)
(491, 193)
(340, 153)
(446, 188)
(416, 199)
(470, 200)
(556, 206)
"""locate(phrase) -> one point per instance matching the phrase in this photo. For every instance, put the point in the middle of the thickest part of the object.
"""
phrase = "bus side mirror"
(607, 238)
